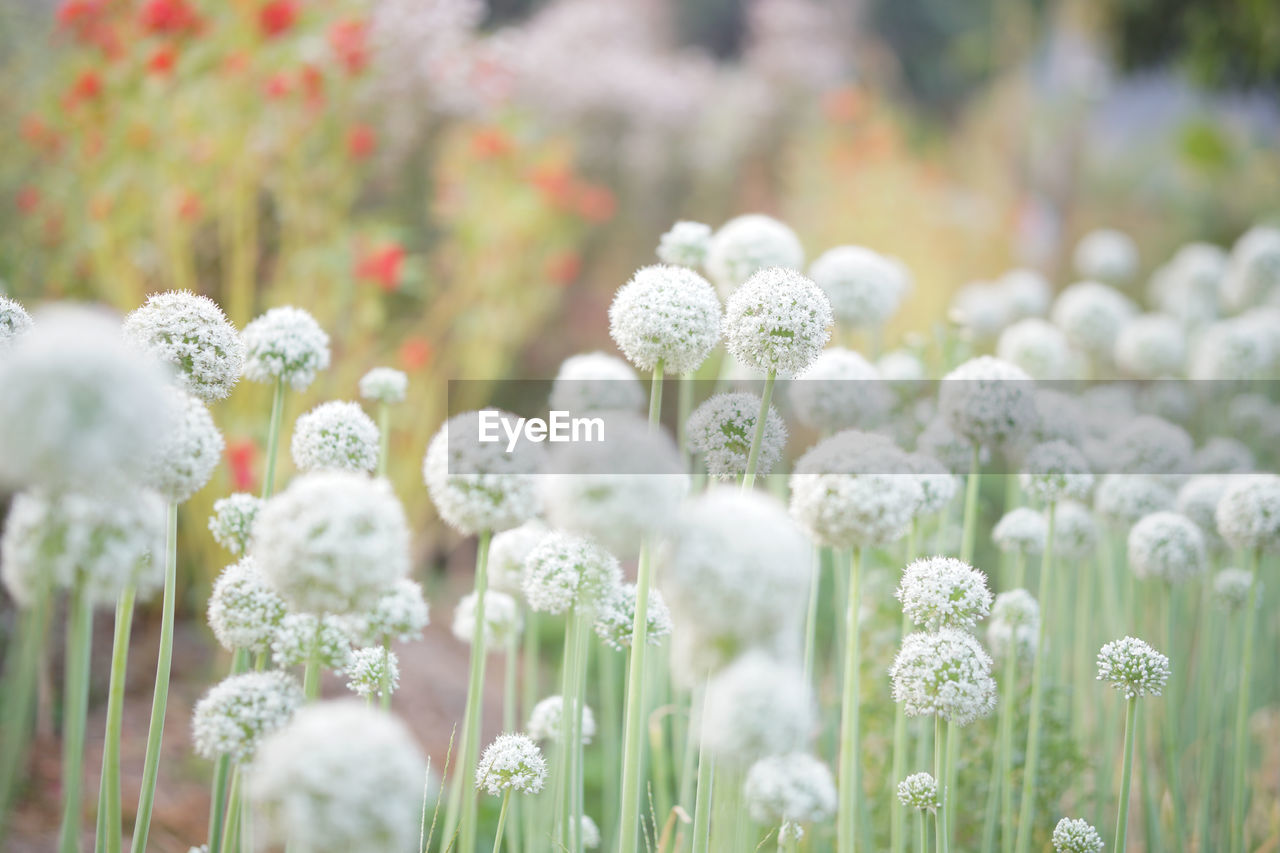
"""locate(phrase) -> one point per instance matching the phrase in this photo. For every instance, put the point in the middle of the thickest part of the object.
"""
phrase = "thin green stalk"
(753, 456)
(702, 798)
(849, 778)
(160, 700)
(634, 723)
(109, 821)
(969, 535)
(952, 763)
(1126, 775)
(1027, 810)
(610, 730)
(222, 772)
(1004, 779)
(273, 438)
(1173, 699)
(311, 673)
(660, 791)
(502, 820)
(75, 708)
(939, 775)
(384, 436)
(684, 405)
(22, 665)
(1240, 758)
(1207, 728)
(235, 803)
(384, 683)
(898, 812)
(924, 832)
(510, 671)
(811, 616)
(655, 396)
(1081, 657)
(568, 730)
(475, 702)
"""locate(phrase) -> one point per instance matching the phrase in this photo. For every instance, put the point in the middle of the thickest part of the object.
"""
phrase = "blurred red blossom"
(169, 16)
(350, 43)
(489, 142)
(161, 62)
(563, 267)
(596, 203)
(87, 87)
(241, 456)
(361, 141)
(28, 199)
(415, 353)
(381, 266)
(277, 17)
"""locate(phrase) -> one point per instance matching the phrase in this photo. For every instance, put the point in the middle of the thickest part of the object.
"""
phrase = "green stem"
(655, 396)
(510, 671)
(311, 672)
(1126, 774)
(924, 832)
(684, 404)
(222, 772)
(384, 683)
(384, 437)
(502, 820)
(75, 708)
(1173, 698)
(568, 719)
(634, 723)
(702, 798)
(1240, 758)
(969, 535)
(939, 775)
(849, 772)
(109, 821)
(235, 798)
(898, 812)
(160, 700)
(753, 456)
(475, 704)
(1027, 810)
(17, 696)
(811, 616)
(273, 438)
(1005, 777)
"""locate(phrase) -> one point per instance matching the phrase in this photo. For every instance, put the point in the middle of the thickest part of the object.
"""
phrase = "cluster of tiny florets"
(1149, 445)
(1133, 667)
(475, 485)
(616, 616)
(778, 321)
(235, 714)
(512, 762)
(865, 288)
(943, 592)
(232, 521)
(988, 401)
(335, 436)
(244, 611)
(1037, 347)
(1107, 255)
(1151, 346)
(400, 613)
(508, 552)
(919, 791)
(596, 382)
(1091, 315)
(1075, 532)
(564, 571)
(547, 718)
(373, 671)
(755, 707)
(1056, 470)
(384, 385)
(502, 620)
(945, 673)
(192, 448)
(1125, 498)
(285, 344)
(1021, 531)
(301, 637)
(1076, 835)
(685, 245)
(1231, 588)
(1166, 546)
(1014, 625)
(668, 315)
(722, 429)
(190, 334)
(792, 788)
(1249, 513)
(840, 390)
(14, 321)
(747, 244)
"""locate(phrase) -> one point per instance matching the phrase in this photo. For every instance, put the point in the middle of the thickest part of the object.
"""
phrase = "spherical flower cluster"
(372, 670)
(512, 762)
(792, 788)
(668, 315)
(335, 436)
(747, 244)
(981, 309)
(476, 485)
(384, 385)
(244, 612)
(1231, 349)
(400, 613)
(1249, 513)
(946, 445)
(1231, 588)
(547, 717)
(1124, 498)
(945, 673)
(919, 791)
(937, 485)
(235, 714)
(1222, 455)
(1036, 347)
(943, 592)
(988, 401)
(840, 390)
(590, 833)
(900, 366)
(1091, 315)
(616, 616)
(685, 245)
(1198, 499)
(1150, 445)
(501, 619)
(104, 543)
(190, 334)
(1254, 271)
(1187, 286)
(864, 287)
(232, 521)
(1075, 532)
(1021, 531)
(596, 382)
(299, 636)
(1015, 623)
(1107, 255)
(332, 542)
(1027, 291)
(193, 447)
(14, 321)
(564, 571)
(778, 321)
(287, 345)
(1056, 470)
(1152, 346)
(723, 427)
(1166, 546)
(753, 708)
(339, 777)
(1076, 835)
(1133, 667)
(508, 552)
(1061, 418)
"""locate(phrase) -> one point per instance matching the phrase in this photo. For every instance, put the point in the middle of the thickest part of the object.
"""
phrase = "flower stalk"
(1026, 812)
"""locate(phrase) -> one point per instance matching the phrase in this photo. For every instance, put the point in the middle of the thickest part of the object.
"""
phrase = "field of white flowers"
(1003, 588)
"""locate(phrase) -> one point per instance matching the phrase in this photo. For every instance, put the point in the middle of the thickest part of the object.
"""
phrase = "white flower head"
(937, 484)
(865, 288)
(1166, 546)
(665, 314)
(1231, 588)
(335, 436)
(1075, 532)
(547, 718)
(1125, 498)
(945, 673)
(1232, 349)
(1036, 347)
(1076, 835)
(235, 714)
(790, 788)
(400, 613)
(188, 453)
(244, 612)
(512, 762)
(900, 366)
(501, 619)
(616, 616)
(300, 635)
(332, 542)
(1106, 255)
(686, 244)
(232, 521)
(981, 309)
(840, 390)
(988, 401)
(1198, 499)
(1253, 274)
(943, 592)
(14, 322)
(339, 777)
(1014, 625)
(722, 429)
(1021, 531)
(1223, 455)
(1027, 292)
(777, 321)
(477, 485)
(285, 344)
(590, 833)
(508, 551)
(949, 447)
(1091, 315)
(747, 244)
(1249, 513)
(755, 707)
(1149, 445)
(372, 670)
(1133, 667)
(384, 385)
(1151, 346)
(596, 382)
(919, 791)
(1056, 470)
(189, 334)
(565, 571)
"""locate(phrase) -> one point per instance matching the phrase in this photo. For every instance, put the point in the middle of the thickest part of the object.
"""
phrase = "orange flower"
(563, 267)
(188, 206)
(491, 142)
(277, 17)
(596, 203)
(361, 141)
(349, 41)
(415, 353)
(555, 182)
(241, 455)
(381, 266)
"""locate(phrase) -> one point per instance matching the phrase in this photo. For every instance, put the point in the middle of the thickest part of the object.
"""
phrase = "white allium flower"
(981, 309)
(1249, 513)
(753, 708)
(335, 436)
(666, 314)
(232, 521)
(1253, 414)
(189, 334)
(1133, 667)
(900, 366)
(791, 788)
(777, 321)
(1037, 347)
(864, 287)
(237, 712)
(244, 612)
(1232, 349)
(1187, 286)
(1222, 455)
(1076, 835)
(400, 613)
(919, 791)
(1198, 499)
(1056, 470)
(1014, 625)
(945, 673)
(686, 244)
(1091, 315)
(501, 619)
(80, 410)
(14, 322)
(384, 385)
(597, 382)
(1151, 346)
(1231, 588)
(564, 571)
(943, 592)
(840, 390)
(508, 552)
(512, 762)
(547, 717)
(187, 455)
(107, 542)
(299, 635)
(1075, 532)
(943, 443)
(988, 401)
(1124, 498)
(1167, 546)
(332, 542)
(937, 484)
(285, 344)
(590, 833)
(722, 428)
(1254, 271)
(371, 670)
(1106, 255)
(747, 244)
(478, 486)
(1150, 445)
(616, 616)
(339, 777)
(1027, 292)
(1021, 530)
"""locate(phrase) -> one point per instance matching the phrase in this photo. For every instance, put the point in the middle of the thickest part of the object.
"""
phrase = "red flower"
(278, 86)
(312, 83)
(563, 267)
(241, 453)
(162, 61)
(491, 142)
(188, 206)
(596, 203)
(555, 182)
(350, 43)
(381, 266)
(277, 17)
(415, 353)
(28, 199)
(168, 16)
(361, 141)
(87, 86)
(81, 17)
